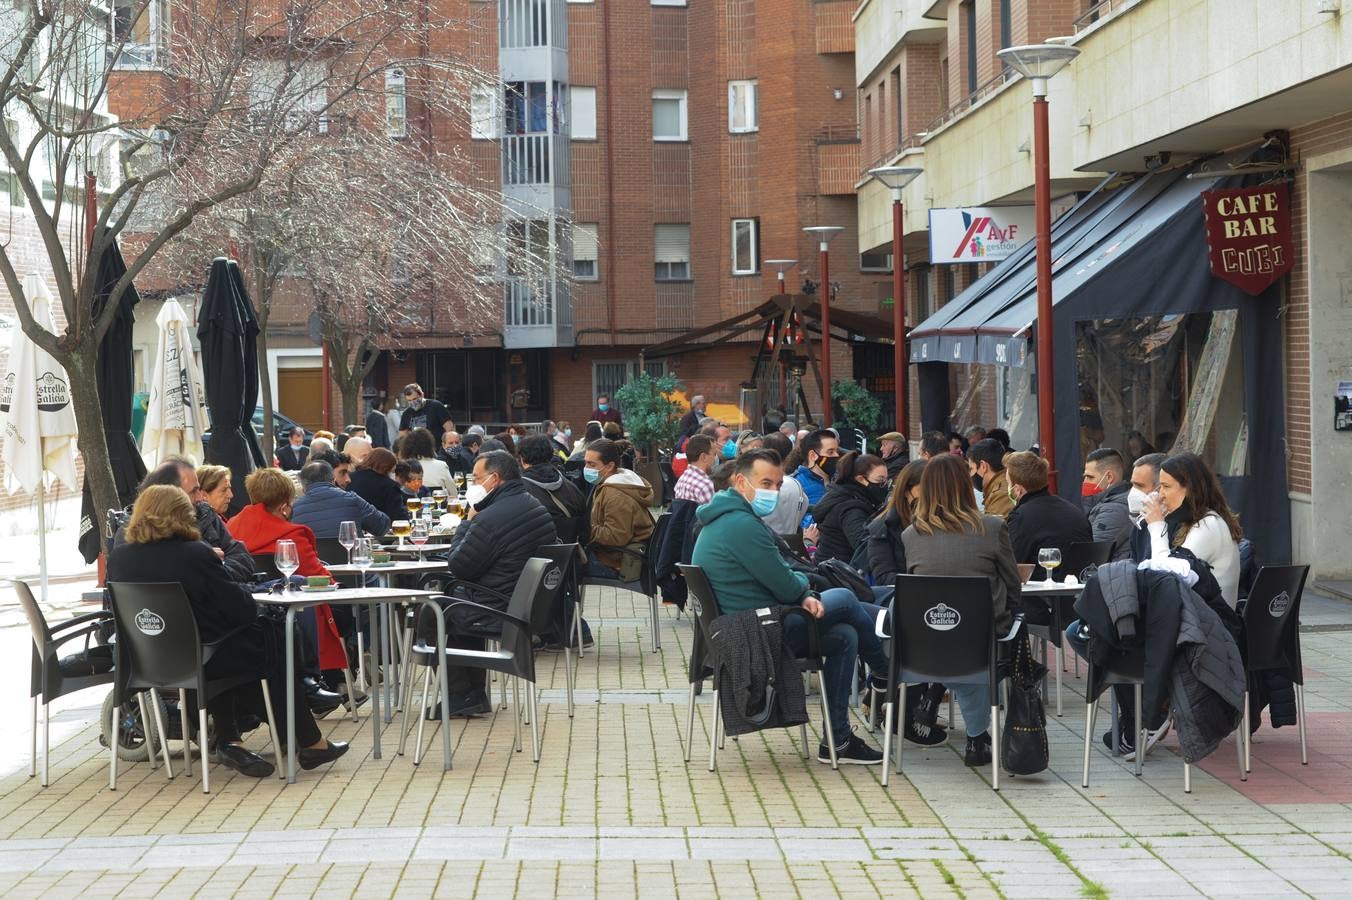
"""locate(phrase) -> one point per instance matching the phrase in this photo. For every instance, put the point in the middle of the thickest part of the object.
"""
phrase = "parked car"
(281, 427)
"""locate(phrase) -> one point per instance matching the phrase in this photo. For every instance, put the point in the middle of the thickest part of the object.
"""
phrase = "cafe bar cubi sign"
(1248, 235)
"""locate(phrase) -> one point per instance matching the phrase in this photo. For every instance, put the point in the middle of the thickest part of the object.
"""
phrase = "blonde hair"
(162, 511)
(945, 500)
(270, 487)
(211, 477)
(1027, 470)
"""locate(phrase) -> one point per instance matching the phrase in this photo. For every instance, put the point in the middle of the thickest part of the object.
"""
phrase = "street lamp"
(824, 234)
(783, 265)
(1038, 63)
(896, 178)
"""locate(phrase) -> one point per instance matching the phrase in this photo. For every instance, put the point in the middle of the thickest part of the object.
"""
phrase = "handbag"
(1023, 745)
(841, 574)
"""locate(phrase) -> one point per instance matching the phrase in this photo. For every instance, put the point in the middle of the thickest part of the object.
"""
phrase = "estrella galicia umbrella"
(115, 397)
(175, 419)
(220, 331)
(250, 322)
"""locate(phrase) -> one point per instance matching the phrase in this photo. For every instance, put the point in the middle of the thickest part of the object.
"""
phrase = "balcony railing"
(984, 90)
(535, 159)
(528, 304)
(1104, 9)
(532, 23)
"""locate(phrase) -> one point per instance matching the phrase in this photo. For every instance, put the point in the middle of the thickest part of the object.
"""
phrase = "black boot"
(978, 750)
(927, 705)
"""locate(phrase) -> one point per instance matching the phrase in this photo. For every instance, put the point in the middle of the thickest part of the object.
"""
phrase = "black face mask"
(828, 465)
(877, 493)
(979, 484)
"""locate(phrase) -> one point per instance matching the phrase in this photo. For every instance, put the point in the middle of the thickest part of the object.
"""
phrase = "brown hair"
(162, 512)
(1203, 496)
(1027, 470)
(854, 465)
(907, 478)
(270, 487)
(947, 502)
(380, 461)
(210, 477)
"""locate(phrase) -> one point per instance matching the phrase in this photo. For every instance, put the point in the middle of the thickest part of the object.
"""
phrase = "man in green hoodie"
(742, 562)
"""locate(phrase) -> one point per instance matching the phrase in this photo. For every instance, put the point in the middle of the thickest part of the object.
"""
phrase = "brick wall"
(834, 27)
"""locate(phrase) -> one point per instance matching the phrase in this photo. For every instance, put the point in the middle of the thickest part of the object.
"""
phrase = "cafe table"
(373, 599)
(387, 645)
(1052, 594)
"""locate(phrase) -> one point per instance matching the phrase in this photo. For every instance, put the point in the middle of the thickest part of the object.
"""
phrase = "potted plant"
(652, 419)
(855, 408)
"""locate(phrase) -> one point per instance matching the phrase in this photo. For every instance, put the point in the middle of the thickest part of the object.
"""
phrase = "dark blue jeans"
(846, 635)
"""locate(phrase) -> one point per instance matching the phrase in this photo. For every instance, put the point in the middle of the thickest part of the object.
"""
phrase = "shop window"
(1165, 383)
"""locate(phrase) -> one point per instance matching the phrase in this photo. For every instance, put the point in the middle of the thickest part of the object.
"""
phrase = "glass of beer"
(413, 504)
(401, 529)
(439, 498)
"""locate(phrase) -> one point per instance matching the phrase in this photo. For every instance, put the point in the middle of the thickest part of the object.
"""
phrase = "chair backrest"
(652, 550)
(945, 626)
(1272, 620)
(547, 615)
(265, 564)
(1083, 558)
(703, 602)
(525, 596)
(331, 553)
(37, 622)
(157, 640)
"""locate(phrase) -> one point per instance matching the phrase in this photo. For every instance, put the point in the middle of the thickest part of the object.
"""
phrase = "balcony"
(537, 171)
(536, 315)
(532, 23)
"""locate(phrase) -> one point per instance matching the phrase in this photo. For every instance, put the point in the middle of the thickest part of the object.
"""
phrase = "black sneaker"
(1124, 747)
(978, 750)
(925, 735)
(854, 752)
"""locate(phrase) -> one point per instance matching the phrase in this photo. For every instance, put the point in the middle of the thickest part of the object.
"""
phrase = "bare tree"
(245, 83)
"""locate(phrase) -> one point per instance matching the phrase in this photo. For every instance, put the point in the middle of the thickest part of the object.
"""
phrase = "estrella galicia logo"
(53, 395)
(7, 393)
(553, 578)
(149, 623)
(942, 617)
(1279, 605)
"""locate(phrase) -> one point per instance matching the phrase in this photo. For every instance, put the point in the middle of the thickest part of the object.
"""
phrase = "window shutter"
(585, 243)
(582, 115)
(673, 244)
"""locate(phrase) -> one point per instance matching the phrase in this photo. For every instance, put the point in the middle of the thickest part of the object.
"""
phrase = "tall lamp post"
(824, 234)
(1038, 63)
(896, 178)
(782, 265)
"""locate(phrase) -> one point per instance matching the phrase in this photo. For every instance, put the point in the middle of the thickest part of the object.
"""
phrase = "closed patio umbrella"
(175, 418)
(36, 417)
(115, 396)
(249, 319)
(220, 331)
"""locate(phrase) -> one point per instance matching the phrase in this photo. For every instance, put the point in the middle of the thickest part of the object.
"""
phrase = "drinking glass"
(421, 529)
(347, 537)
(361, 558)
(400, 529)
(413, 504)
(287, 560)
(1049, 558)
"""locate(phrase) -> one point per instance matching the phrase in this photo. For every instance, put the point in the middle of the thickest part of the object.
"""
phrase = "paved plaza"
(612, 809)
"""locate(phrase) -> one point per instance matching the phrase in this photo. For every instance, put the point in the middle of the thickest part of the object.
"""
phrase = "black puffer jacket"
(561, 499)
(381, 491)
(491, 549)
(842, 516)
(886, 554)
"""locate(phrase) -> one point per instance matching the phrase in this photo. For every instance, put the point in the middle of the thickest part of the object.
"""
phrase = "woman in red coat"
(264, 522)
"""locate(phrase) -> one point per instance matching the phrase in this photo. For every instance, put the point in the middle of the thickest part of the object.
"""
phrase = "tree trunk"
(350, 388)
(81, 366)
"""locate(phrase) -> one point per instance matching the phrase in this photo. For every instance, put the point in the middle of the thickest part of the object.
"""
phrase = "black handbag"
(1023, 746)
(842, 575)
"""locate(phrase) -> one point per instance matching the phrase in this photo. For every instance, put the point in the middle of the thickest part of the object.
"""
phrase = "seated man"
(323, 506)
(693, 489)
(1105, 491)
(984, 461)
(491, 547)
(739, 556)
(1040, 519)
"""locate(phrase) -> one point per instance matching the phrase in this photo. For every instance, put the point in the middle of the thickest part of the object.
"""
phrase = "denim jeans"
(847, 634)
(975, 702)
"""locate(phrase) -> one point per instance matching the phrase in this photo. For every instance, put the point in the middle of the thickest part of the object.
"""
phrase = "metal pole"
(900, 356)
(1045, 382)
(42, 545)
(825, 288)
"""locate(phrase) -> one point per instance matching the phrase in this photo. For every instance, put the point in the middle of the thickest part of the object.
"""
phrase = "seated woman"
(950, 536)
(409, 474)
(163, 544)
(373, 481)
(259, 526)
(419, 446)
(886, 555)
(618, 508)
(855, 496)
(1190, 512)
(214, 482)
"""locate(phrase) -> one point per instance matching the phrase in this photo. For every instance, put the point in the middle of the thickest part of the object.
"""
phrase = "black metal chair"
(647, 582)
(704, 610)
(564, 616)
(265, 565)
(945, 632)
(158, 647)
(530, 611)
(1082, 560)
(55, 675)
(1272, 638)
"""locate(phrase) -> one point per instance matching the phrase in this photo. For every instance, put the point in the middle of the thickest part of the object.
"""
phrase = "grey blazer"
(989, 554)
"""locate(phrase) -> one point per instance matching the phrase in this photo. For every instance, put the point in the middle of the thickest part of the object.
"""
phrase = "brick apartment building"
(1159, 91)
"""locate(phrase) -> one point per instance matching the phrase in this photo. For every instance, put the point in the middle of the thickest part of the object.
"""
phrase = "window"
(582, 112)
(396, 104)
(140, 35)
(483, 111)
(296, 96)
(876, 261)
(743, 116)
(672, 254)
(1006, 26)
(668, 2)
(669, 112)
(585, 255)
(745, 246)
(896, 92)
(924, 294)
(969, 24)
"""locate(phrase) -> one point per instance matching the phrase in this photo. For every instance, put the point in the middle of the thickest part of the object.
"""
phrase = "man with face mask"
(743, 564)
(1145, 480)
(606, 412)
(422, 413)
(501, 531)
(818, 452)
(291, 455)
(1105, 492)
(985, 462)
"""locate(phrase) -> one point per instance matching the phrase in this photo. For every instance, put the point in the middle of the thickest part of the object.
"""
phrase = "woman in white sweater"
(1190, 512)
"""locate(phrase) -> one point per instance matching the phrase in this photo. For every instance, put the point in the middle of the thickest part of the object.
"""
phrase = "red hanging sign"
(1248, 235)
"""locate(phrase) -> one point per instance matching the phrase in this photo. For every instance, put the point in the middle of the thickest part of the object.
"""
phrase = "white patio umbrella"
(175, 417)
(38, 420)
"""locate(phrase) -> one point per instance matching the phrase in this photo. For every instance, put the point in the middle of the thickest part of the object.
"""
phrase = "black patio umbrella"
(250, 322)
(221, 334)
(115, 396)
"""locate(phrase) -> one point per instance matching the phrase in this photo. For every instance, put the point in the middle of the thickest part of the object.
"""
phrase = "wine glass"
(400, 529)
(413, 504)
(361, 558)
(421, 529)
(287, 560)
(1049, 558)
(347, 537)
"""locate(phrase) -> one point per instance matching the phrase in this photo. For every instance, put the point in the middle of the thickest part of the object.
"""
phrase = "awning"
(846, 325)
(1124, 218)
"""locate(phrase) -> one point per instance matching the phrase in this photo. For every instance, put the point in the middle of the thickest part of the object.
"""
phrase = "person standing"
(291, 455)
(422, 412)
(605, 412)
(377, 426)
(690, 421)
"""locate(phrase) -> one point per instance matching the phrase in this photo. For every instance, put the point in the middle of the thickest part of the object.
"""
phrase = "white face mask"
(1136, 501)
(474, 493)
